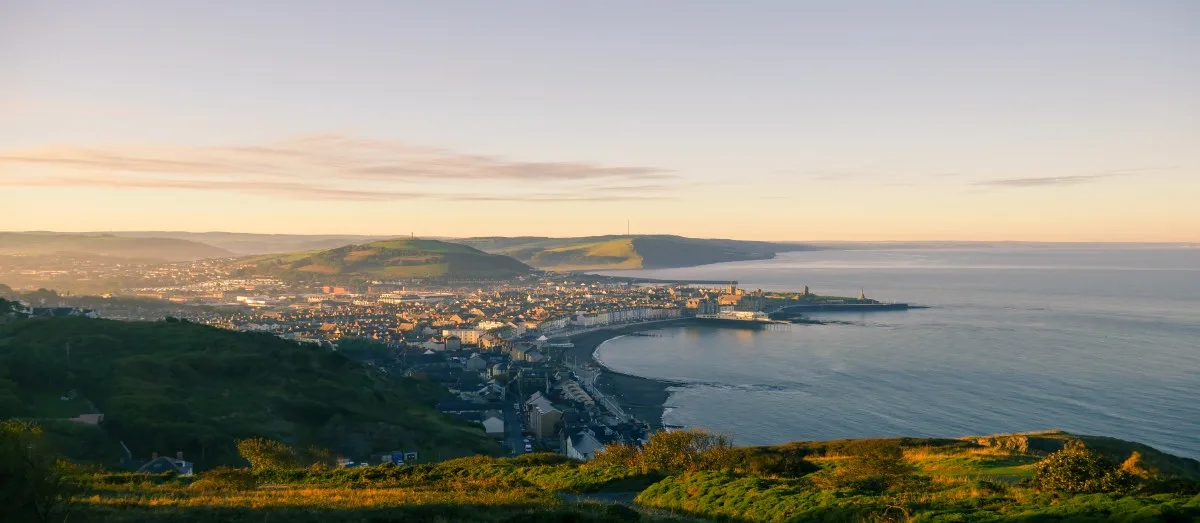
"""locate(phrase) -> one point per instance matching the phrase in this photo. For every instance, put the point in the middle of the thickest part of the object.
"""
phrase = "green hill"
(628, 252)
(384, 260)
(172, 386)
(149, 248)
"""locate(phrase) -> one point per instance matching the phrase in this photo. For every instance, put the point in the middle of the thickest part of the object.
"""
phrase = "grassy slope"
(387, 259)
(972, 479)
(160, 249)
(166, 386)
(627, 252)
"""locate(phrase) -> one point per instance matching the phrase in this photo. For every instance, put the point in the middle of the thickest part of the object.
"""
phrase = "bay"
(1092, 341)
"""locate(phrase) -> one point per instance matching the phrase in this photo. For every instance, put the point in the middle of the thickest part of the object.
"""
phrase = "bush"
(771, 462)
(540, 458)
(264, 453)
(224, 479)
(880, 469)
(616, 455)
(684, 450)
(1077, 468)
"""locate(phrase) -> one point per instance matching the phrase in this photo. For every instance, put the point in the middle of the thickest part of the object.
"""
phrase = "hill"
(628, 252)
(172, 386)
(148, 248)
(243, 244)
(384, 260)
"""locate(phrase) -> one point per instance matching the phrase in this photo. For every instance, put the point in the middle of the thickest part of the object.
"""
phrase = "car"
(528, 448)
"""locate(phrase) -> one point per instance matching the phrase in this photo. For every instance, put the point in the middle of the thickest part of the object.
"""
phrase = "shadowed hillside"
(173, 386)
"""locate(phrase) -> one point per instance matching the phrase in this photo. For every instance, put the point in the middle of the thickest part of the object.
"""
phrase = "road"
(512, 426)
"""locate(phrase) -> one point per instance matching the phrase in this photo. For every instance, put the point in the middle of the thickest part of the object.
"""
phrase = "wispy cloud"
(329, 166)
(1068, 180)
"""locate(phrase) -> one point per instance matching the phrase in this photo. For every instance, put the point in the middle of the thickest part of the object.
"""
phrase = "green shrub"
(263, 453)
(680, 451)
(225, 479)
(771, 462)
(879, 469)
(540, 458)
(1077, 468)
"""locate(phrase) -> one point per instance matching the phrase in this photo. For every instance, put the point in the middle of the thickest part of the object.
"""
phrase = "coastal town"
(515, 355)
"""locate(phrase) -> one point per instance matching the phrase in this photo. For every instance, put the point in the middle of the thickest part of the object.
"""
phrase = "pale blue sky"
(777, 120)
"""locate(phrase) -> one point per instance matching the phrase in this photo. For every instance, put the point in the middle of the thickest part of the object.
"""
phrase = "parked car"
(528, 448)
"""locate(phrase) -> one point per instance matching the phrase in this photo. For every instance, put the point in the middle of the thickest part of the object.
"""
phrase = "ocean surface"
(1103, 342)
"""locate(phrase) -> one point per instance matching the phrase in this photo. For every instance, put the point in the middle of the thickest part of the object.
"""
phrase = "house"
(88, 419)
(542, 417)
(163, 464)
(476, 364)
(583, 445)
(493, 423)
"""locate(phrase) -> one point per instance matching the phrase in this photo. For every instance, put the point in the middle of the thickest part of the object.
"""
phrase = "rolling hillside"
(244, 244)
(141, 248)
(171, 386)
(627, 252)
(384, 260)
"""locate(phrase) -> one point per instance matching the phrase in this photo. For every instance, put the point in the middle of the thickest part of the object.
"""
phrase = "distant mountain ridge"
(134, 248)
(384, 260)
(628, 251)
(244, 243)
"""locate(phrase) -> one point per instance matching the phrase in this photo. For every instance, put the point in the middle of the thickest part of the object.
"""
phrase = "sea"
(1099, 341)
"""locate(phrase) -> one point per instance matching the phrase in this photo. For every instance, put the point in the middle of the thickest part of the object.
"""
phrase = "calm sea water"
(1100, 342)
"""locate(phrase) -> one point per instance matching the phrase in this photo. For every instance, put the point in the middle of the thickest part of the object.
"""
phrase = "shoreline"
(643, 398)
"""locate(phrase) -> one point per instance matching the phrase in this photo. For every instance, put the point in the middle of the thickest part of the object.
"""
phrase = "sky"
(771, 120)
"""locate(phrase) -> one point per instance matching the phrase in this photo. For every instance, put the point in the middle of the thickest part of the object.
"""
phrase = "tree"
(265, 453)
(684, 450)
(33, 486)
(1076, 468)
(10, 307)
(616, 455)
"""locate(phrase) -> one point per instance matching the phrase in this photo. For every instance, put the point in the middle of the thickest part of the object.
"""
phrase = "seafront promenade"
(624, 396)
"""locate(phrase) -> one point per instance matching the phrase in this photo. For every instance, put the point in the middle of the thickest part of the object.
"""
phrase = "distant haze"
(761, 120)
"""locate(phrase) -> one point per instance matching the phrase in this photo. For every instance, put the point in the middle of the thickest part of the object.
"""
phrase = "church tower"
(862, 294)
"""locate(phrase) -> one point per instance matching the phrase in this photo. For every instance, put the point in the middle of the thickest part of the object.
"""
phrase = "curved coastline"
(643, 398)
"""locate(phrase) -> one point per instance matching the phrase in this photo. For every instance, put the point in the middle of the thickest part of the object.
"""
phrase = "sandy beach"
(643, 398)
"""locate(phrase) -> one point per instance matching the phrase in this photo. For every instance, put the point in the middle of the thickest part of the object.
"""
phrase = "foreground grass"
(920, 480)
(467, 489)
(730, 497)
